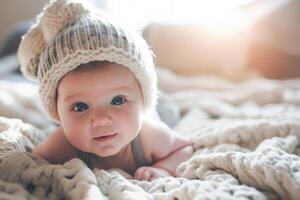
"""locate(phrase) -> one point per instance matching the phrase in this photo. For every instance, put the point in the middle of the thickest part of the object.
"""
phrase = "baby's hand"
(150, 173)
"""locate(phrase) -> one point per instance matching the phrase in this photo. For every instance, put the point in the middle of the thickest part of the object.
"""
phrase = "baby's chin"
(107, 152)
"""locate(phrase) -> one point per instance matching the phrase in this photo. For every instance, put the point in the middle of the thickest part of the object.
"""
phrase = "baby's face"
(100, 108)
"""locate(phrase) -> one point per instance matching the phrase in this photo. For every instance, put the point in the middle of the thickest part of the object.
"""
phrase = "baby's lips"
(105, 136)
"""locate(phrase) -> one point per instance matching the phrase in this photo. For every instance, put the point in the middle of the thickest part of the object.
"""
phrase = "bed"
(245, 137)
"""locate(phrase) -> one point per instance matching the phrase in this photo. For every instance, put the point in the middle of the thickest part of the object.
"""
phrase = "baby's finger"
(139, 173)
(146, 175)
(154, 176)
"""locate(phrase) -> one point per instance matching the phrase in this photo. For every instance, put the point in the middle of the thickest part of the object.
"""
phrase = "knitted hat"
(68, 34)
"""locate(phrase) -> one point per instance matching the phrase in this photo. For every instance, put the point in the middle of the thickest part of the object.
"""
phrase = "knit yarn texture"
(67, 34)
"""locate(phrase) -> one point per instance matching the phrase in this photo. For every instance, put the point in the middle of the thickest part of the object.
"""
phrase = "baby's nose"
(101, 118)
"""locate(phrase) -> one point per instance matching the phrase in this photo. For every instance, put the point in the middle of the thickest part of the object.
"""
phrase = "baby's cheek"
(130, 119)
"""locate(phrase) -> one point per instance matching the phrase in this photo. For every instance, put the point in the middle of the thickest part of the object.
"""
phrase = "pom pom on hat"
(30, 47)
(69, 33)
(58, 14)
(49, 23)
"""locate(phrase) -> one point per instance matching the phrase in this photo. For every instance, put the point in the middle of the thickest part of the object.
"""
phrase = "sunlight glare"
(213, 15)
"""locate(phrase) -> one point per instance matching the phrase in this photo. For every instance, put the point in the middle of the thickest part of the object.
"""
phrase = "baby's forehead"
(103, 66)
(92, 86)
(107, 74)
(92, 64)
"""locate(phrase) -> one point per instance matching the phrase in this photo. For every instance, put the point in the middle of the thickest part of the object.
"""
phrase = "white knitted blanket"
(246, 140)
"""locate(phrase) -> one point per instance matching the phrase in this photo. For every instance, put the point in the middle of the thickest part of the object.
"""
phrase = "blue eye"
(80, 107)
(118, 100)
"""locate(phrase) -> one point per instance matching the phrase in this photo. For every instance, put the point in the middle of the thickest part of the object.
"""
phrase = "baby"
(97, 80)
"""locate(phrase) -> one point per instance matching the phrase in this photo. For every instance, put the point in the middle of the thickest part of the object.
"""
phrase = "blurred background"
(225, 37)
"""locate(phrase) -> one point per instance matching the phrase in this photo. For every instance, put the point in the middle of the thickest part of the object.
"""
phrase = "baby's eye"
(118, 100)
(80, 107)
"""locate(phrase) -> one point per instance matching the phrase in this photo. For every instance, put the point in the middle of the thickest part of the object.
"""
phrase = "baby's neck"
(108, 162)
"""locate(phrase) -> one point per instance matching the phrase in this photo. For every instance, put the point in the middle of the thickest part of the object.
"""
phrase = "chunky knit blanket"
(245, 135)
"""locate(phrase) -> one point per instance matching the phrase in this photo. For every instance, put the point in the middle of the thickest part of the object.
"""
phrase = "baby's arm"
(168, 150)
(55, 149)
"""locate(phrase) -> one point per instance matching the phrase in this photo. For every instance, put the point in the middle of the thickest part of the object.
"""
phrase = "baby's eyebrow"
(67, 98)
(122, 88)
(116, 89)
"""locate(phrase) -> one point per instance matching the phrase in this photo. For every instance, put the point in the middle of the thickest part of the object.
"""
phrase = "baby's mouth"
(105, 137)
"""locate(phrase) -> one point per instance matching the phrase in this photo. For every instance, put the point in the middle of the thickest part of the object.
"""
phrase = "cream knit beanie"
(69, 33)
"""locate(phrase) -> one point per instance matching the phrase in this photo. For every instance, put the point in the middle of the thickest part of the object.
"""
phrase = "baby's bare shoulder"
(55, 148)
(153, 129)
(159, 140)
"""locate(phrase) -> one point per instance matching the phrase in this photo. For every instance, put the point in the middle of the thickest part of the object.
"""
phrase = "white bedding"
(246, 140)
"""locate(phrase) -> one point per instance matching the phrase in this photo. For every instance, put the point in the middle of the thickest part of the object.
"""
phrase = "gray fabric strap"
(138, 153)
